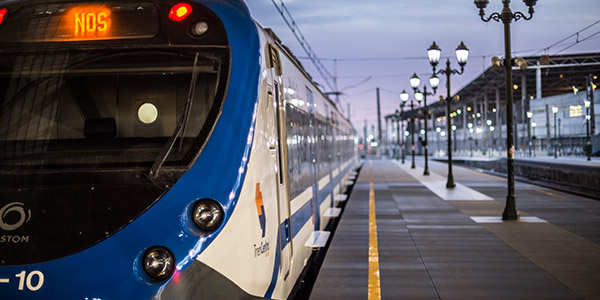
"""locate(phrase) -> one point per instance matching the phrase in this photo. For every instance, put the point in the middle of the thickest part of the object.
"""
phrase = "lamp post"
(489, 125)
(462, 54)
(438, 130)
(454, 132)
(434, 81)
(554, 111)
(397, 115)
(529, 116)
(492, 128)
(506, 16)
(533, 124)
(470, 125)
(403, 96)
(588, 145)
(559, 140)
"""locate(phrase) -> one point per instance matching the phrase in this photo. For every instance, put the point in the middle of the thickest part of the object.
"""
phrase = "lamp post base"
(450, 184)
(511, 212)
(426, 172)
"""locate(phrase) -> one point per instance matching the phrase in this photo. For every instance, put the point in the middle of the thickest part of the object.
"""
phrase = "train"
(160, 150)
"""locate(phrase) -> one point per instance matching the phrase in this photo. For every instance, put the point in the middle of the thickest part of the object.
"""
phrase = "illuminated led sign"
(89, 22)
(81, 22)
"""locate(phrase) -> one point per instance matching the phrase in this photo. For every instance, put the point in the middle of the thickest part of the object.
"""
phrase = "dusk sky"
(388, 40)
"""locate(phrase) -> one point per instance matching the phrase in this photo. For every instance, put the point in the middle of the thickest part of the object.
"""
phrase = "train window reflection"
(47, 97)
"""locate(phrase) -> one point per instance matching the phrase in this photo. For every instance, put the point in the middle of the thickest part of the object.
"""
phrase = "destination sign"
(81, 22)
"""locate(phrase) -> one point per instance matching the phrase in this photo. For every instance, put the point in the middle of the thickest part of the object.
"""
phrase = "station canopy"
(560, 75)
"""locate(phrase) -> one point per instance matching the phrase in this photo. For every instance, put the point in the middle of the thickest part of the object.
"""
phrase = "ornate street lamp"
(489, 125)
(462, 54)
(506, 16)
(533, 124)
(555, 111)
(397, 115)
(403, 98)
(470, 126)
(588, 145)
(404, 95)
(415, 81)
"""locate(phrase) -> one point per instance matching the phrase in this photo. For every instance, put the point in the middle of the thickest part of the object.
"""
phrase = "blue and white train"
(159, 149)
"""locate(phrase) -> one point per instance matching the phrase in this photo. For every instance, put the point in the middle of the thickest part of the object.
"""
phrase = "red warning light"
(180, 11)
(2, 14)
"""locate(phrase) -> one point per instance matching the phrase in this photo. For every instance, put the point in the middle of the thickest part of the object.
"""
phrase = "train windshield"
(107, 108)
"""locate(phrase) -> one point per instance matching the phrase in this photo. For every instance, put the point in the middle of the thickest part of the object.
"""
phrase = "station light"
(415, 81)
(496, 62)
(434, 81)
(521, 63)
(404, 96)
(481, 4)
(529, 115)
(180, 11)
(434, 52)
(419, 96)
(462, 54)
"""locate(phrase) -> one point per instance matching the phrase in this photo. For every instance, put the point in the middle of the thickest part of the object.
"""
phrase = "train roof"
(300, 67)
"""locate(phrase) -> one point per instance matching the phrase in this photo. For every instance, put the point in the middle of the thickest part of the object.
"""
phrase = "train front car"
(125, 134)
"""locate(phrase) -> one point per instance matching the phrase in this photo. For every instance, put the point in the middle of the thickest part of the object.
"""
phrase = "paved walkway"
(438, 244)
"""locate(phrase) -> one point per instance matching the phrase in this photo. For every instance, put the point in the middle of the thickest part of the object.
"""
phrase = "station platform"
(403, 235)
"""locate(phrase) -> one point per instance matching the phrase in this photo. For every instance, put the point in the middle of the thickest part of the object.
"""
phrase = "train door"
(279, 152)
(312, 138)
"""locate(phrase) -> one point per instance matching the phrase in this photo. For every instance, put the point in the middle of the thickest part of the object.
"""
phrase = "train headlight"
(199, 28)
(147, 113)
(159, 263)
(207, 215)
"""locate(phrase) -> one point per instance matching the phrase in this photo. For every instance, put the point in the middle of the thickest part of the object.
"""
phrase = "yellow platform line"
(374, 277)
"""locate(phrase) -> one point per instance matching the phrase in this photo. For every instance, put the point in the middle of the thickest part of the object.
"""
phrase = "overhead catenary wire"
(577, 41)
(312, 56)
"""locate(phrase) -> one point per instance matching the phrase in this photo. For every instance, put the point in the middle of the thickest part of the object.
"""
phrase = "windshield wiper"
(181, 125)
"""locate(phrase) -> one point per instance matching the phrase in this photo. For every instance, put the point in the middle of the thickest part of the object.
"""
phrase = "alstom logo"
(13, 216)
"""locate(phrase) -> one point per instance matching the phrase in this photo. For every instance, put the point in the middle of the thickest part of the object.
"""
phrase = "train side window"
(273, 60)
